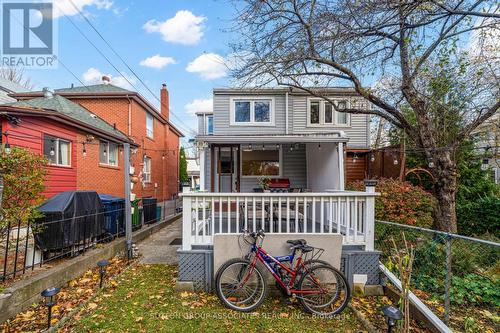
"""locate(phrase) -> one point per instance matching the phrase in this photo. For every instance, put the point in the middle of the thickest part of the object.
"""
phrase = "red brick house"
(156, 159)
(76, 142)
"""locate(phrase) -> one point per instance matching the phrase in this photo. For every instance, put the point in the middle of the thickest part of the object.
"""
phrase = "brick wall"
(94, 176)
(165, 143)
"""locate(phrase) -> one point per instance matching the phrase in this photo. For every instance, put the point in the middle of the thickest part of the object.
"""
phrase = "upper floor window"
(252, 111)
(108, 153)
(210, 125)
(146, 169)
(149, 125)
(322, 113)
(57, 150)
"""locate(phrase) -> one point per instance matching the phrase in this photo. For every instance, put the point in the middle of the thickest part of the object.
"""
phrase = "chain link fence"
(458, 277)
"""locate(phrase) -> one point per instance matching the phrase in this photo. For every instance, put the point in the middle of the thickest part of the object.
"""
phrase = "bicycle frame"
(266, 259)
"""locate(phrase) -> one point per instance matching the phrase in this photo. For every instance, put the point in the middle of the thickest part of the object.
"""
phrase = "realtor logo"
(27, 34)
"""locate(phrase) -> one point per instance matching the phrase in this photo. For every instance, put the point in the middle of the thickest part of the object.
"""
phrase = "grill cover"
(70, 218)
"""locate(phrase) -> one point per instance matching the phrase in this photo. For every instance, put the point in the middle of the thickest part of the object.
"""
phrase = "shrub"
(474, 289)
(479, 217)
(23, 175)
(401, 202)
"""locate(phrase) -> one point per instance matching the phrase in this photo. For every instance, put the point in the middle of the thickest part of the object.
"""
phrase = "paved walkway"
(156, 249)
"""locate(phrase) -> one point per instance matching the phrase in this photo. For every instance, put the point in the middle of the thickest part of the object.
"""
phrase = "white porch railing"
(351, 214)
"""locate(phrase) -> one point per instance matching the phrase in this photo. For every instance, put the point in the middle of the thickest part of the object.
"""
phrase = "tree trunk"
(445, 189)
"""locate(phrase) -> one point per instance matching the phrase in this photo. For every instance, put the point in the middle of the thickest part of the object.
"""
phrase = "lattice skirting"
(360, 262)
(197, 266)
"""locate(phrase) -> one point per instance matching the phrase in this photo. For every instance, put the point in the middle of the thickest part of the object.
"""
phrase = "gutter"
(134, 95)
(286, 113)
(47, 113)
(129, 123)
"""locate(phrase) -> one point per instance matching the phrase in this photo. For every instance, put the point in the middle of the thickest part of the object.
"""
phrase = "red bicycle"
(319, 287)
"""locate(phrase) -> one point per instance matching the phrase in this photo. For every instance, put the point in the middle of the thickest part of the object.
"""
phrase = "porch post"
(340, 148)
(370, 215)
(186, 221)
(202, 169)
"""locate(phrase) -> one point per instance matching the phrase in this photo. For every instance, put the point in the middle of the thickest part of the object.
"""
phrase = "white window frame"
(207, 116)
(146, 172)
(56, 150)
(322, 104)
(150, 132)
(252, 100)
(107, 153)
(255, 177)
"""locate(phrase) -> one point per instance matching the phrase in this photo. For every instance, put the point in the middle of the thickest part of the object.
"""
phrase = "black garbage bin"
(149, 210)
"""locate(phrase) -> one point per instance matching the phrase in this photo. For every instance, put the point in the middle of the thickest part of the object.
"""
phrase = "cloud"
(67, 7)
(94, 76)
(199, 105)
(184, 28)
(209, 66)
(157, 61)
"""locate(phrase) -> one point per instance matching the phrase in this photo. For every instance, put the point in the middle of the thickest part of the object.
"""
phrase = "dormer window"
(254, 111)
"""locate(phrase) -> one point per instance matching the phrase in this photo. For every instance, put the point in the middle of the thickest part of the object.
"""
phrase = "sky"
(180, 43)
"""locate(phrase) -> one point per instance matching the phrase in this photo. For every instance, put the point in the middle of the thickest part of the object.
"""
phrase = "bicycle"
(320, 288)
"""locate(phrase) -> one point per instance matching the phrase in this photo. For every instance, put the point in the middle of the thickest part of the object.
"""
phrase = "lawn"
(144, 300)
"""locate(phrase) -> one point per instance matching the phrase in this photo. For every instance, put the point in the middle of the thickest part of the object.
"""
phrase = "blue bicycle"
(319, 287)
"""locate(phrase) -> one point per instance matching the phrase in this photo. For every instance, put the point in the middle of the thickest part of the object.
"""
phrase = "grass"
(145, 301)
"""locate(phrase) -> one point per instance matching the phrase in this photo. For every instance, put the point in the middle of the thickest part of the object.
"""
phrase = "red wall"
(29, 134)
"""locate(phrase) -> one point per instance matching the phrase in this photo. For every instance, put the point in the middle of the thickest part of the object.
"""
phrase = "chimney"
(47, 93)
(165, 106)
(106, 79)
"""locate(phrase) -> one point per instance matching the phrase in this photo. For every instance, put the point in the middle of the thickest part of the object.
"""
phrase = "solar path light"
(392, 315)
(49, 294)
(102, 270)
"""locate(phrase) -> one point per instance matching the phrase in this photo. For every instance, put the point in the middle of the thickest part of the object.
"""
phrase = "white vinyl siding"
(357, 132)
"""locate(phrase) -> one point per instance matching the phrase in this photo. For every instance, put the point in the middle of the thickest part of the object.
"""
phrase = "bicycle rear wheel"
(327, 290)
(240, 286)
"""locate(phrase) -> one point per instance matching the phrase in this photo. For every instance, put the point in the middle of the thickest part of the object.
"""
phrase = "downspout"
(129, 116)
(286, 113)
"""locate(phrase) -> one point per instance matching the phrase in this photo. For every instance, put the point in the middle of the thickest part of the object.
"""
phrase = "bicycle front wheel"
(324, 290)
(240, 286)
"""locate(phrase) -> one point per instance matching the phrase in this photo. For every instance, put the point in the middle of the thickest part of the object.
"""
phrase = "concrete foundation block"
(181, 286)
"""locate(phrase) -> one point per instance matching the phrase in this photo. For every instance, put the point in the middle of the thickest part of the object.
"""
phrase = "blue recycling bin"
(114, 217)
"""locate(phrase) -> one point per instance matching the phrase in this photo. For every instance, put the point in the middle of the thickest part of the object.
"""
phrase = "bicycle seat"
(297, 241)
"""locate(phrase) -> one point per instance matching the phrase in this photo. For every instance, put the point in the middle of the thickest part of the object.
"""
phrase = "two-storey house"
(281, 134)
(275, 159)
(155, 160)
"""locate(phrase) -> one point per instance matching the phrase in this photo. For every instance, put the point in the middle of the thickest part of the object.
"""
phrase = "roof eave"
(336, 137)
(125, 94)
(48, 113)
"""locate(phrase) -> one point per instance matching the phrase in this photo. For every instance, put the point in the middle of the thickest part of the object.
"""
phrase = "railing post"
(186, 221)
(370, 216)
(447, 282)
